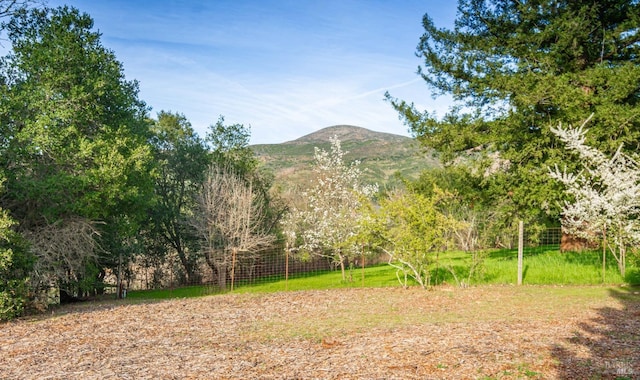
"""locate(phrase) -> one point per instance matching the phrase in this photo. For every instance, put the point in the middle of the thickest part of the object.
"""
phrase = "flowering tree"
(606, 196)
(329, 223)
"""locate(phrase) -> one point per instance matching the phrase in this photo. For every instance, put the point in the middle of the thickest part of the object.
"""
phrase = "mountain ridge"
(384, 157)
(345, 132)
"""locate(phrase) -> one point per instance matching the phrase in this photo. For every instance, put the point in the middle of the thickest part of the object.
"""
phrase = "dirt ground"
(392, 333)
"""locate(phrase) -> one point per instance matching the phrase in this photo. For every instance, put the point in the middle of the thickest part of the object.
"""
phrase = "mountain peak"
(345, 133)
(382, 155)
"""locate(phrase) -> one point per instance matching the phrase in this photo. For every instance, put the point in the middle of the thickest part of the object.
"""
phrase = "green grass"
(376, 276)
(552, 267)
(542, 266)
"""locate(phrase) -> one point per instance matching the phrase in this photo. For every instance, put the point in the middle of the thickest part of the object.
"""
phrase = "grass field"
(542, 266)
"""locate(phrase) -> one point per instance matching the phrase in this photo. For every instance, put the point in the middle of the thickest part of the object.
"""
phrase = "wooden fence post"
(520, 250)
(233, 268)
(363, 265)
(286, 268)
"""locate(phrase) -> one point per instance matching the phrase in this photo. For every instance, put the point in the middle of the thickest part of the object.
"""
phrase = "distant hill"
(348, 133)
(382, 155)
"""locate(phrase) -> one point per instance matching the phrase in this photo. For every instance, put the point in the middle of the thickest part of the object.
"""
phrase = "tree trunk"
(622, 265)
(188, 270)
(344, 274)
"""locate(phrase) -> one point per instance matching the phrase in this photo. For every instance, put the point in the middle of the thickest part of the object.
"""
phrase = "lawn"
(543, 266)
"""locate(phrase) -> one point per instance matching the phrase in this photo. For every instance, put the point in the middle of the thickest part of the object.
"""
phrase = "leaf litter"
(491, 332)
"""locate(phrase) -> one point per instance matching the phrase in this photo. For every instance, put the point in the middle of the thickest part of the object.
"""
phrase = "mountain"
(382, 155)
(347, 133)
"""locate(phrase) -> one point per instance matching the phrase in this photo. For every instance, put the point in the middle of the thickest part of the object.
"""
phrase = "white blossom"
(606, 195)
(330, 221)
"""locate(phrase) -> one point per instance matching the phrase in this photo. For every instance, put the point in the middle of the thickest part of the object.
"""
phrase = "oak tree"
(74, 133)
(182, 159)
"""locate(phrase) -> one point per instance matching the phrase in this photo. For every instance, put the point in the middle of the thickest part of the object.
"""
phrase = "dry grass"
(484, 332)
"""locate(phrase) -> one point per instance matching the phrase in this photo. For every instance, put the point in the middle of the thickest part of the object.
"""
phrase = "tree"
(74, 133)
(334, 210)
(15, 266)
(230, 221)
(182, 160)
(472, 201)
(516, 68)
(411, 229)
(229, 147)
(605, 196)
(10, 7)
(66, 257)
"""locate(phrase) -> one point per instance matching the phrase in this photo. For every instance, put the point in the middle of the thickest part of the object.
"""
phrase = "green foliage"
(475, 200)
(412, 229)
(229, 145)
(75, 130)
(74, 133)
(519, 68)
(182, 160)
(15, 264)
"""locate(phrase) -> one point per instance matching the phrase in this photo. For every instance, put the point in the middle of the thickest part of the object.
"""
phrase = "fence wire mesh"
(276, 268)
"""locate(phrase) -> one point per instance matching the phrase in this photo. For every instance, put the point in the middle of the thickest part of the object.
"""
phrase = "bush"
(15, 265)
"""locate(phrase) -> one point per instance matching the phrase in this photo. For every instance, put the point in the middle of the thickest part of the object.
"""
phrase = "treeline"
(90, 182)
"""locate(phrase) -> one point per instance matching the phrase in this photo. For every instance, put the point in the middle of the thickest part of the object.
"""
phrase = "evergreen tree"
(517, 68)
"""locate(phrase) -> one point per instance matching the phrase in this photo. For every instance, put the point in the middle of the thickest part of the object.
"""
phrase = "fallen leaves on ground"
(390, 333)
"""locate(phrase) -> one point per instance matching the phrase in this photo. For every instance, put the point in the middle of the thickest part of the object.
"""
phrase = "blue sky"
(285, 68)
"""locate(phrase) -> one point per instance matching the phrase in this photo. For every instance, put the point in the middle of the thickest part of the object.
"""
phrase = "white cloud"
(285, 68)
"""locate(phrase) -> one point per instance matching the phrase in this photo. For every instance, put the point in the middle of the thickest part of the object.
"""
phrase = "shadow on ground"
(608, 345)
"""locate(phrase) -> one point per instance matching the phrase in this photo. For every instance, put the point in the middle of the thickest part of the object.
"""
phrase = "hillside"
(382, 155)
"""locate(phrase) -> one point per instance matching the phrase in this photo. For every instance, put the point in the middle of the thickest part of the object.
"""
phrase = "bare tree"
(230, 221)
(63, 250)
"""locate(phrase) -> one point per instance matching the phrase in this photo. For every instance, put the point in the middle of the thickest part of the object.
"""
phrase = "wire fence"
(268, 266)
(277, 266)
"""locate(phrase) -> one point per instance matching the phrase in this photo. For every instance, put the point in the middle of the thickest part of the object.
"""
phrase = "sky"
(285, 68)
